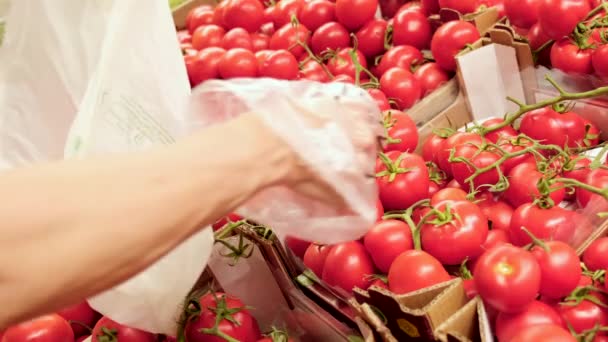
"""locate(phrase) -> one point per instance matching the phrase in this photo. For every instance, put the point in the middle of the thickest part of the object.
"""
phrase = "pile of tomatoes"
(212, 317)
(327, 41)
(568, 35)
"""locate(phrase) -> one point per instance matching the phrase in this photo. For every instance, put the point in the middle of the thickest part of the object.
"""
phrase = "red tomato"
(315, 256)
(551, 127)
(448, 194)
(246, 14)
(285, 10)
(315, 13)
(298, 246)
(506, 132)
(379, 283)
(430, 76)
(599, 61)
(218, 14)
(584, 315)
(401, 131)
(461, 230)
(457, 139)
(379, 210)
(107, 329)
(507, 278)
(595, 255)
(241, 326)
(560, 269)
(497, 212)
(380, 99)
(280, 64)
(414, 270)
(386, 240)
(237, 38)
(80, 339)
(313, 71)
(462, 171)
(204, 65)
(555, 223)
(430, 6)
(238, 63)
(538, 38)
(370, 38)
(523, 180)
(495, 237)
(267, 29)
(183, 36)
(599, 179)
(432, 147)
(343, 79)
(353, 14)
(79, 316)
(522, 13)
(543, 333)
(403, 56)
(347, 266)
(411, 28)
(259, 41)
(537, 313)
(401, 85)
(514, 145)
(558, 18)
(47, 328)
(569, 58)
(343, 62)
(199, 16)
(592, 138)
(330, 36)
(449, 39)
(462, 6)
(403, 179)
(289, 38)
(207, 36)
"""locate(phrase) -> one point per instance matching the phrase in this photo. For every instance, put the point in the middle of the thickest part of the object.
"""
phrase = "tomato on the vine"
(47, 328)
(330, 36)
(560, 268)
(204, 65)
(586, 314)
(285, 10)
(344, 62)
(522, 13)
(280, 64)
(599, 179)
(289, 37)
(108, 329)
(313, 71)
(403, 56)
(456, 139)
(523, 185)
(432, 147)
(551, 127)
(537, 313)
(348, 265)
(402, 133)
(553, 223)
(505, 132)
(401, 85)
(475, 159)
(315, 13)
(569, 58)
(448, 194)
(594, 256)
(386, 240)
(558, 18)
(353, 14)
(411, 27)
(246, 14)
(451, 38)
(414, 270)
(403, 180)
(370, 38)
(497, 211)
(507, 278)
(315, 256)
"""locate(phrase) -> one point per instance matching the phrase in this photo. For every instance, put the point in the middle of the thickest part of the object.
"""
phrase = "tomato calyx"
(392, 168)
(221, 311)
(442, 217)
(435, 173)
(444, 132)
(277, 335)
(388, 122)
(241, 250)
(464, 271)
(388, 38)
(583, 293)
(383, 278)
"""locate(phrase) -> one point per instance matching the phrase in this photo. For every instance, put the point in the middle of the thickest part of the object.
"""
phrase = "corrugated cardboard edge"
(435, 305)
(466, 325)
(181, 12)
(482, 20)
(436, 102)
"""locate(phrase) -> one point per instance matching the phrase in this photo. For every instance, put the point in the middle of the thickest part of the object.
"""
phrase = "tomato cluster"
(326, 41)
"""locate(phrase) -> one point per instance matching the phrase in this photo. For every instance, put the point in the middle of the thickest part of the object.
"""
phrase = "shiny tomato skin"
(555, 223)
(246, 14)
(507, 278)
(47, 328)
(244, 328)
(462, 6)
(313, 71)
(386, 240)
(461, 171)
(594, 256)
(495, 237)
(406, 188)
(379, 98)
(353, 14)
(199, 16)
(207, 36)
(459, 239)
(522, 13)
(431, 148)
(315, 13)
(402, 130)
(414, 270)
(315, 256)
(498, 212)
(297, 246)
(81, 314)
(449, 39)
(411, 27)
(569, 58)
(501, 133)
(238, 62)
(560, 269)
(599, 179)
(330, 36)
(584, 315)
(280, 64)
(512, 145)
(343, 62)
(537, 313)
(204, 65)
(348, 265)
(259, 42)
(183, 36)
(288, 38)
(403, 56)
(457, 139)
(523, 180)
(379, 210)
(430, 6)
(123, 333)
(543, 333)
(218, 14)
(448, 194)
(431, 76)
(599, 61)
(558, 18)
(402, 86)
(370, 38)
(285, 10)
(237, 38)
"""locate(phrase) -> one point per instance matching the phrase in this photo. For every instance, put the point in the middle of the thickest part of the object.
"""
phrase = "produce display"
(510, 205)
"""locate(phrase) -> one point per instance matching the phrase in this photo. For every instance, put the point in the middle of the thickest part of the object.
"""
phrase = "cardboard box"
(483, 20)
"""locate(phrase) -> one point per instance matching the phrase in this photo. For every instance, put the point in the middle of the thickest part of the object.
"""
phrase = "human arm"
(71, 229)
